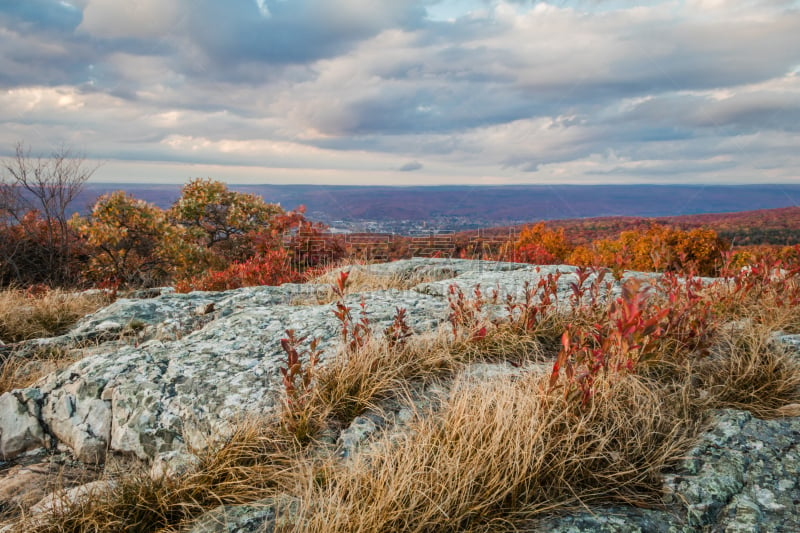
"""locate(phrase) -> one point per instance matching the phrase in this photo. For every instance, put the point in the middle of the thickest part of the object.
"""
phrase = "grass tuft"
(362, 279)
(507, 450)
(749, 370)
(253, 463)
(20, 371)
(28, 315)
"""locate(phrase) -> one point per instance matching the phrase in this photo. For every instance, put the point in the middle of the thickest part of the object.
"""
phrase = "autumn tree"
(222, 220)
(131, 238)
(539, 244)
(37, 243)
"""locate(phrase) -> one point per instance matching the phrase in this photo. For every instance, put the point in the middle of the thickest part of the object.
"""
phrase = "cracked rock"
(20, 429)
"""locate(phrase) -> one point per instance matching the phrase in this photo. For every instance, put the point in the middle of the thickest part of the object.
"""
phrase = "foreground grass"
(253, 462)
(494, 453)
(505, 450)
(28, 315)
(20, 371)
(362, 279)
(488, 453)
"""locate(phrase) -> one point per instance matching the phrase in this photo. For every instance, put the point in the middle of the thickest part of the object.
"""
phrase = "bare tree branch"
(45, 186)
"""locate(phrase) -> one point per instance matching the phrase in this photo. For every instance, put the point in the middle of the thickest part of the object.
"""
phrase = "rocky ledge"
(163, 372)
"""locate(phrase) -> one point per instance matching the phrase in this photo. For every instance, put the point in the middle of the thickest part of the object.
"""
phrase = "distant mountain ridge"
(471, 207)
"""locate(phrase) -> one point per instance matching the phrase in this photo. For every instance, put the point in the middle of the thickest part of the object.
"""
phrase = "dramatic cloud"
(457, 91)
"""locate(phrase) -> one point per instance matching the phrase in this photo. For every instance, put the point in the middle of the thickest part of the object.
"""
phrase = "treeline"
(210, 238)
(758, 236)
(213, 238)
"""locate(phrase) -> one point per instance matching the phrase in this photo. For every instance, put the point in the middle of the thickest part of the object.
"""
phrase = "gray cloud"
(411, 166)
(513, 92)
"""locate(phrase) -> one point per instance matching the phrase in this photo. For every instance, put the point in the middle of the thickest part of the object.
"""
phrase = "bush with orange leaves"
(128, 237)
(658, 248)
(221, 220)
(541, 245)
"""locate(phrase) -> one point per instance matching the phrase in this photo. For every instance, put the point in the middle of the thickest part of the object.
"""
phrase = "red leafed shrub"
(272, 267)
(466, 313)
(399, 330)
(355, 333)
(38, 250)
(627, 338)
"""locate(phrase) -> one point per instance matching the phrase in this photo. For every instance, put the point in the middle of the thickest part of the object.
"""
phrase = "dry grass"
(252, 464)
(361, 279)
(767, 304)
(496, 453)
(24, 316)
(356, 381)
(749, 370)
(20, 371)
(505, 450)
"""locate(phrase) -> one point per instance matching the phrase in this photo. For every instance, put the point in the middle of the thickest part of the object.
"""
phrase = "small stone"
(204, 309)
(108, 326)
(64, 498)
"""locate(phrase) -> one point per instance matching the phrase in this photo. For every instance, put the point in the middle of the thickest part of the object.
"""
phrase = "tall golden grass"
(25, 315)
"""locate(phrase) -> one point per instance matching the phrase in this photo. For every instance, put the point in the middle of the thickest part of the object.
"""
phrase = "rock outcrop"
(199, 360)
(163, 373)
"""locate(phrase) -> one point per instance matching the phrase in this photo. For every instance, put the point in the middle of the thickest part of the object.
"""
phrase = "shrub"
(658, 248)
(36, 242)
(272, 267)
(129, 237)
(538, 244)
(222, 220)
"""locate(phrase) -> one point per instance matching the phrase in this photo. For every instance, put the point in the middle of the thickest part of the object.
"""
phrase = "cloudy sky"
(408, 91)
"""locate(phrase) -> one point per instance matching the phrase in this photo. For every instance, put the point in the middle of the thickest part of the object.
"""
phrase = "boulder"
(20, 422)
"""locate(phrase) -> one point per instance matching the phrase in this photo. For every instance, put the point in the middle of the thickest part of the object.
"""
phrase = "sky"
(407, 92)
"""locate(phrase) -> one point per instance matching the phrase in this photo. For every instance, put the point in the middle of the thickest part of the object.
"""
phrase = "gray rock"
(188, 374)
(64, 498)
(237, 519)
(742, 476)
(611, 519)
(20, 427)
(359, 430)
(261, 517)
(791, 341)
(27, 482)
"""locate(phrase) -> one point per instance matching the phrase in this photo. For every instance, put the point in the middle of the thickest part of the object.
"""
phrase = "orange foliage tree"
(657, 248)
(539, 244)
(130, 238)
(222, 220)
